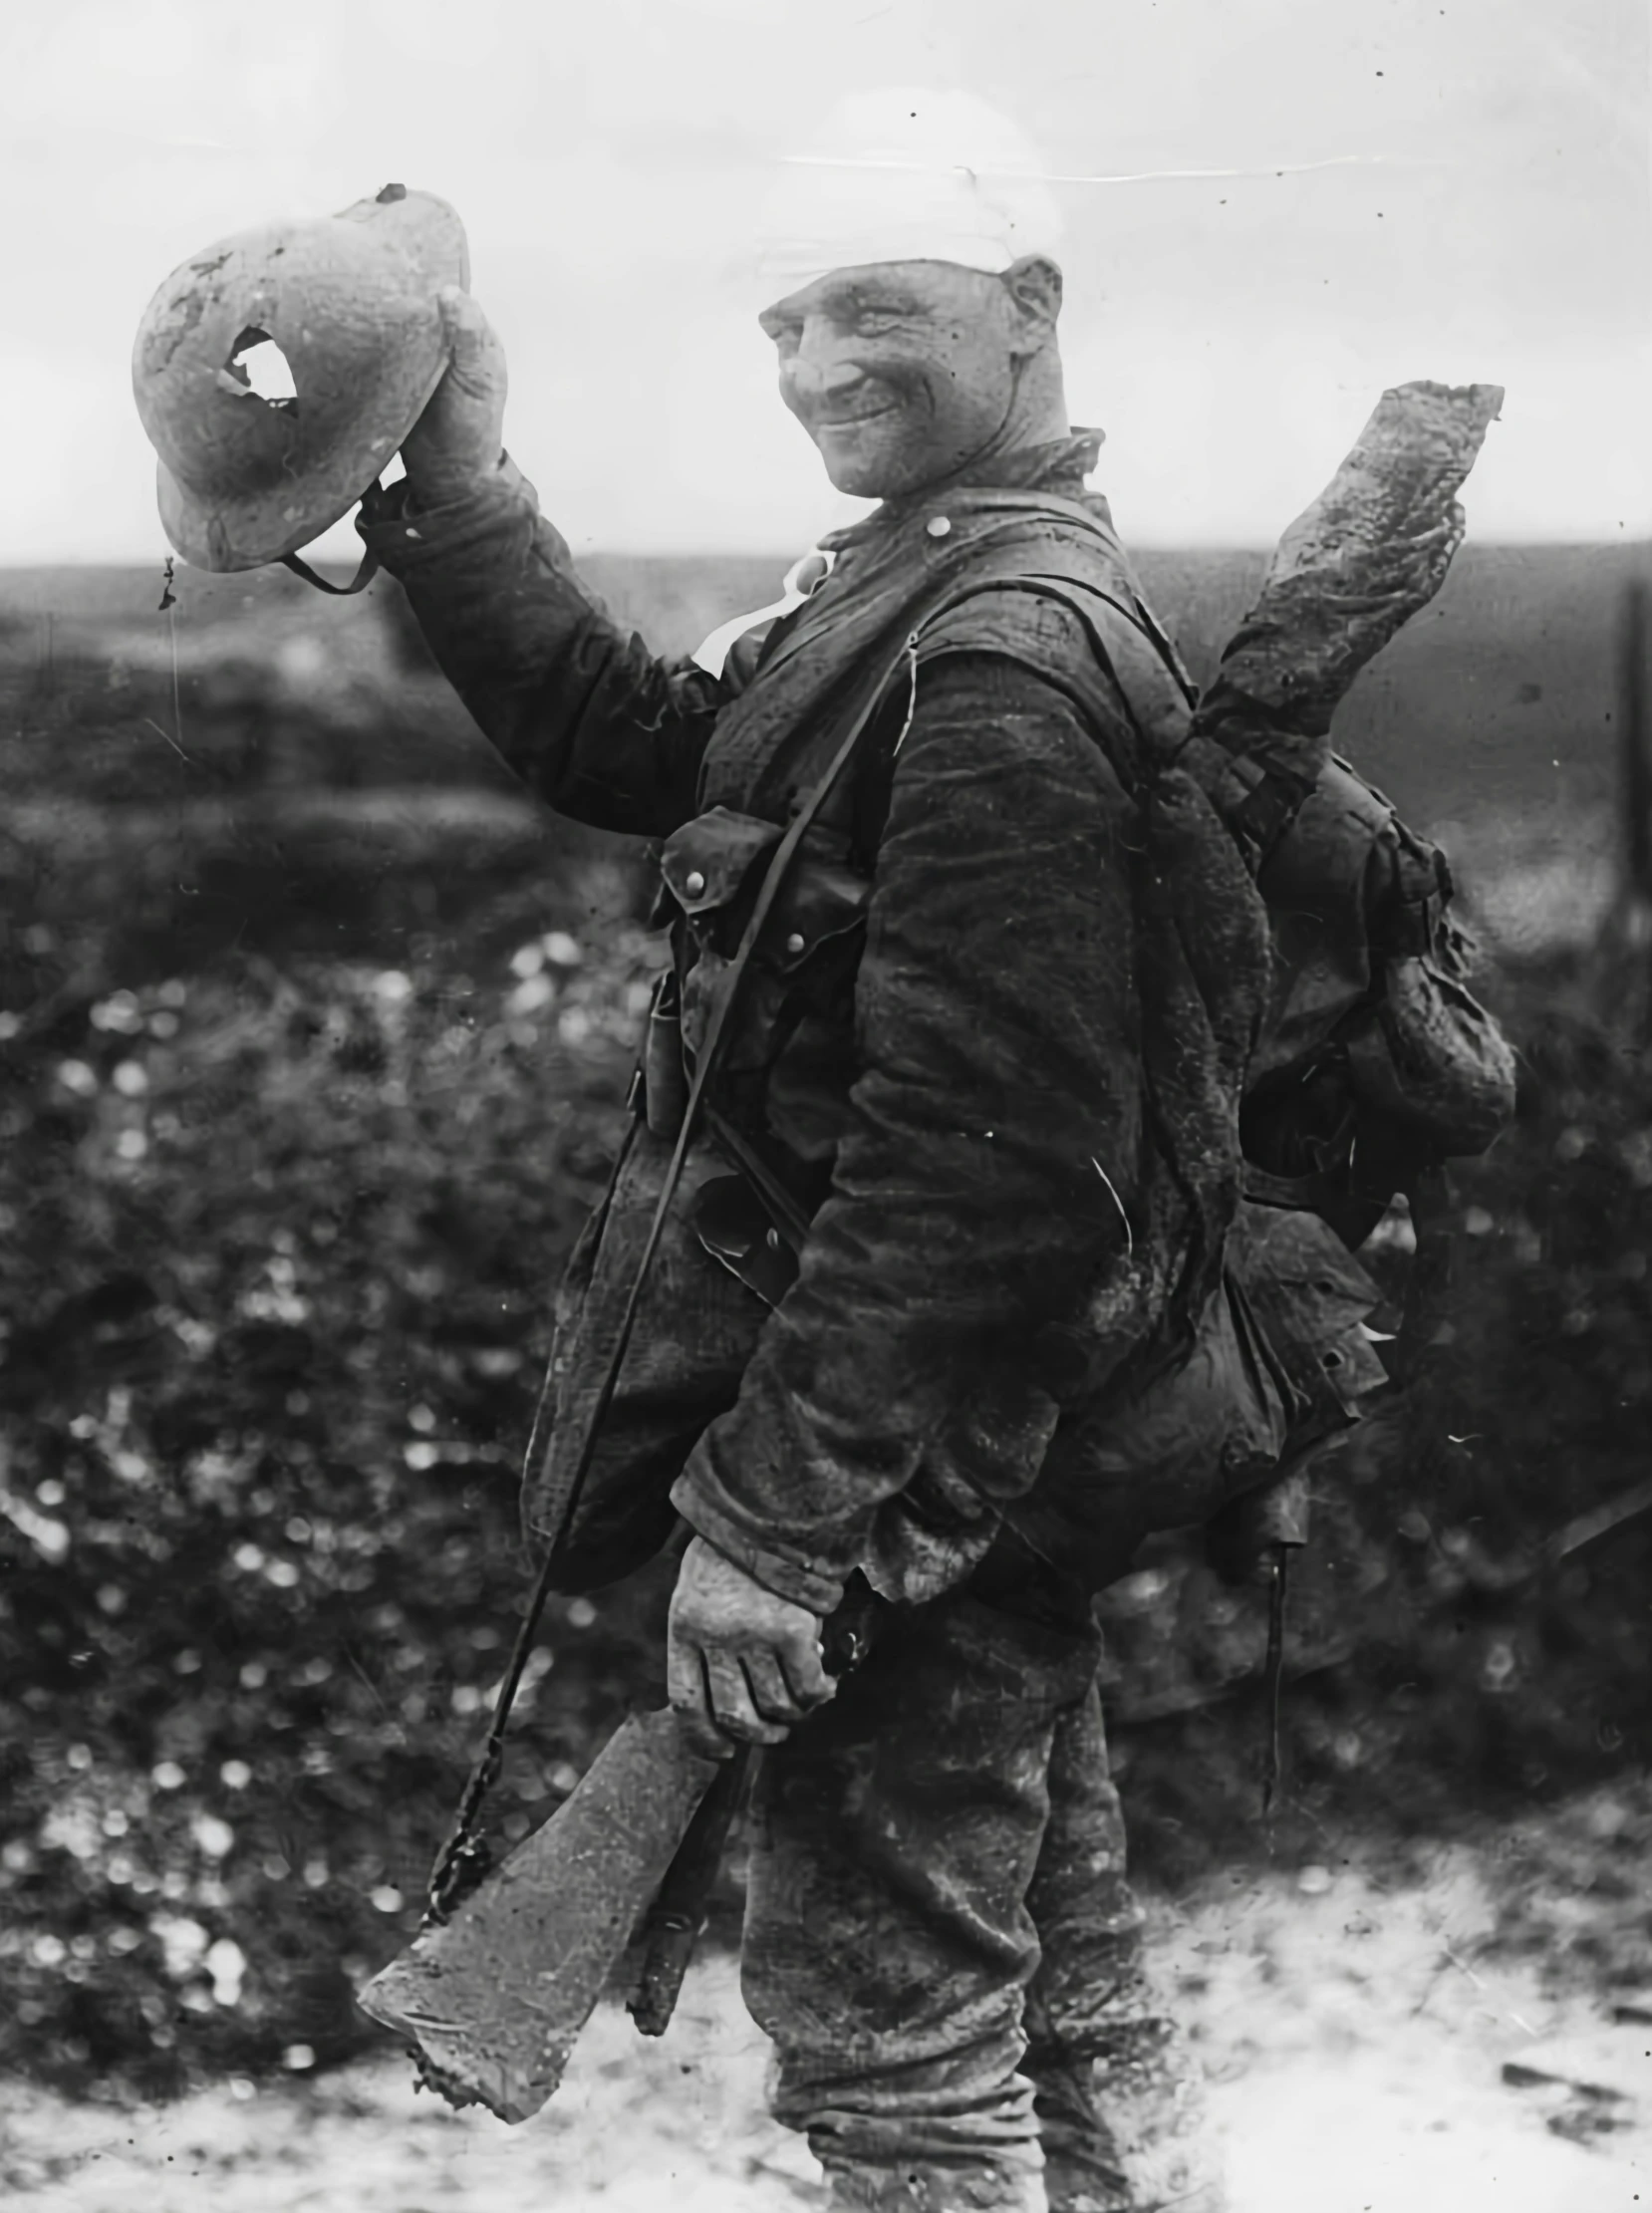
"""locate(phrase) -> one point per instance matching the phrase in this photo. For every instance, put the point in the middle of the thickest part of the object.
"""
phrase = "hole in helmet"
(257, 363)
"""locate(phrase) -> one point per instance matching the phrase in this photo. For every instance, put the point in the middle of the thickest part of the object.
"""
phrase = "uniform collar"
(1059, 466)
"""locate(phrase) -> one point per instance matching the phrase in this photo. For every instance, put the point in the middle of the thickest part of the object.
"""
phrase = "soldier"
(970, 1159)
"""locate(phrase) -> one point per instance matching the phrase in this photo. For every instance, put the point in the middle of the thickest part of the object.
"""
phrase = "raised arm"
(582, 712)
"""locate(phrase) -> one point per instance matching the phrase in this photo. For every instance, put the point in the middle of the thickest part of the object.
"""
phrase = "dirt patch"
(1355, 2031)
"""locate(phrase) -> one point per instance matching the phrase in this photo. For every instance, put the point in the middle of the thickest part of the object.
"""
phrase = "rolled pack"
(1355, 565)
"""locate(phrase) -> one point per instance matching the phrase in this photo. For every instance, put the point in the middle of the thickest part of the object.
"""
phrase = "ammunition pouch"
(731, 1221)
(789, 1055)
(1310, 1299)
(711, 870)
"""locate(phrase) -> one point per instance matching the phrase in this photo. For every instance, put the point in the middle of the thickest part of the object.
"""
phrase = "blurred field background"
(313, 1033)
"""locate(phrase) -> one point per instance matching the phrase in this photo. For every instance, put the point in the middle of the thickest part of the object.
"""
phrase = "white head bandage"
(907, 175)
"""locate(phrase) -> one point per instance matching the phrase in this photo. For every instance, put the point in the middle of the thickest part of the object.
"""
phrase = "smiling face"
(903, 372)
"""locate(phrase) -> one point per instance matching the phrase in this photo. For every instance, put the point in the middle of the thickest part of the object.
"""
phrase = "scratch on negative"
(912, 695)
(1129, 1239)
(171, 741)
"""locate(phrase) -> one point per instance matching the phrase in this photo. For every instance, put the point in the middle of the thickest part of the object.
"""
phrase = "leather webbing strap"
(1151, 688)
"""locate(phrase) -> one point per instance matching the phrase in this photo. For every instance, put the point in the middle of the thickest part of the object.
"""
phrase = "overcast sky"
(1465, 198)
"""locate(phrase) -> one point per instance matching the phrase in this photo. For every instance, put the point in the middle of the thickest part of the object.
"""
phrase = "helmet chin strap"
(359, 582)
(370, 560)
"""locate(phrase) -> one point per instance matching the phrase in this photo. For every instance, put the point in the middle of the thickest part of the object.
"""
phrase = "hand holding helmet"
(456, 442)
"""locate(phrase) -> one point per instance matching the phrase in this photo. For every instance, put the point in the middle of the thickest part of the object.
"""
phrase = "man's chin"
(864, 467)
(860, 484)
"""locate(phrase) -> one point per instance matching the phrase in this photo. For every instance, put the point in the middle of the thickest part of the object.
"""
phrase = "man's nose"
(812, 377)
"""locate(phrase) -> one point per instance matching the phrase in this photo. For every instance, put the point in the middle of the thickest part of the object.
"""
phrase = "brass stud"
(796, 941)
(693, 883)
(939, 526)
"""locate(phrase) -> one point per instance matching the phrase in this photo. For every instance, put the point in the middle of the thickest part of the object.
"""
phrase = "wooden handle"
(674, 1921)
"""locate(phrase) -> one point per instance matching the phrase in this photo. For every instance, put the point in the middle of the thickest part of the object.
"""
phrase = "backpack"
(1375, 1066)
(1372, 1063)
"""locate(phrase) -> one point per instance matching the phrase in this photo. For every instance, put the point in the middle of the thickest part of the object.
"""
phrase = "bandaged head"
(902, 173)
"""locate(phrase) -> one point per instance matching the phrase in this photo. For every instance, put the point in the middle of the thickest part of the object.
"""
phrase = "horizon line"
(346, 564)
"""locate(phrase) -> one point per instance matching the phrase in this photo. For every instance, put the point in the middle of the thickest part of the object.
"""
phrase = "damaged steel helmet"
(344, 311)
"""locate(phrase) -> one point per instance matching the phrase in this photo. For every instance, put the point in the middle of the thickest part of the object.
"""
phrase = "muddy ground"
(1373, 2040)
(1386, 2030)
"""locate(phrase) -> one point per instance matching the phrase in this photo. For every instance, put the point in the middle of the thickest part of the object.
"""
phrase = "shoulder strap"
(1257, 804)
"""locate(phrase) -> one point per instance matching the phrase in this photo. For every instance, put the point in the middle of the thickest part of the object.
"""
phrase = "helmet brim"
(225, 535)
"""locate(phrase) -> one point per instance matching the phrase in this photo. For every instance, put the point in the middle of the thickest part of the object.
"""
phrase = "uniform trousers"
(939, 1936)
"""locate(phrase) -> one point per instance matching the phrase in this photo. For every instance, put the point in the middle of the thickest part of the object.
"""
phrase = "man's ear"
(1034, 286)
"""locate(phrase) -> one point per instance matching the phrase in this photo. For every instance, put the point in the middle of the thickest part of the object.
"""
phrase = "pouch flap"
(819, 900)
(1299, 1260)
(1310, 1296)
(734, 1227)
(705, 861)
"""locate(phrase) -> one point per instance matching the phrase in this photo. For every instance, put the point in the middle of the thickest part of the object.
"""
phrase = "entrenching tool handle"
(493, 1997)
(678, 1914)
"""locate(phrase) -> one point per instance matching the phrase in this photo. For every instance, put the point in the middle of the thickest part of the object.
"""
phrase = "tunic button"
(693, 883)
(939, 526)
(796, 941)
